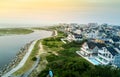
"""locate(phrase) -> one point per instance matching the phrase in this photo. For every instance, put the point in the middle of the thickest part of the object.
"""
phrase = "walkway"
(22, 61)
(56, 33)
(36, 63)
(34, 66)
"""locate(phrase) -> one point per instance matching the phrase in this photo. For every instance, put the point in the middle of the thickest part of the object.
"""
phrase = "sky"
(59, 11)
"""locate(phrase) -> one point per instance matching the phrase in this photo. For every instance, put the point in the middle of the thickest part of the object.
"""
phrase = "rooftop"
(112, 51)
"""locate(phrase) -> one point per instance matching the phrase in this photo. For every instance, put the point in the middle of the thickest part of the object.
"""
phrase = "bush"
(34, 58)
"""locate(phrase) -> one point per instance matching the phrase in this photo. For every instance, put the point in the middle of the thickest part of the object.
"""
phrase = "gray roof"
(91, 45)
(116, 38)
(112, 51)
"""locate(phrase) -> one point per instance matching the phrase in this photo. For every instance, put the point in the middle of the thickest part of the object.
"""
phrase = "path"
(41, 50)
(56, 33)
(22, 61)
(36, 63)
(34, 66)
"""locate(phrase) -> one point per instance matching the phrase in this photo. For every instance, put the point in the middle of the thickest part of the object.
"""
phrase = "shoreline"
(22, 62)
(15, 61)
(15, 64)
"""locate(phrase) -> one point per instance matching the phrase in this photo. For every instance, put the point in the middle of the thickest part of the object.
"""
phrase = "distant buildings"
(103, 41)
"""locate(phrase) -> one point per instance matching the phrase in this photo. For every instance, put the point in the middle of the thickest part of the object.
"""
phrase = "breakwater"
(15, 61)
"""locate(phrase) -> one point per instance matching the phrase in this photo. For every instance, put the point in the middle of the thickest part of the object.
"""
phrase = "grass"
(66, 56)
(7, 31)
(49, 59)
(50, 46)
(40, 28)
(29, 63)
(68, 64)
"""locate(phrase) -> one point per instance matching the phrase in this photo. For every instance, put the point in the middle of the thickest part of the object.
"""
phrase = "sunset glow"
(55, 10)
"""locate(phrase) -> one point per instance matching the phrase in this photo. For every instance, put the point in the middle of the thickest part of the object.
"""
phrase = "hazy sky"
(56, 11)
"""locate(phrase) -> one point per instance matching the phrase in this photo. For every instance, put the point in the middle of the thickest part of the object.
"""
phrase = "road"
(22, 61)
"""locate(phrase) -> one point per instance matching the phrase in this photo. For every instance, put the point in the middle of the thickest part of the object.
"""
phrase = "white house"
(74, 37)
(90, 49)
(100, 52)
(106, 55)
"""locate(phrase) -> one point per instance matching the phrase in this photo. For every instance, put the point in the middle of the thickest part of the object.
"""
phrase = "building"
(74, 37)
(116, 60)
(106, 55)
(90, 49)
(98, 51)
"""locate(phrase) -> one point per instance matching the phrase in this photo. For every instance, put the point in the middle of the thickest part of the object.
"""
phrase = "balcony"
(87, 51)
(101, 61)
(108, 59)
(101, 51)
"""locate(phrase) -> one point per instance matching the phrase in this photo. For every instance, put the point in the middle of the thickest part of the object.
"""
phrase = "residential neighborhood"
(59, 38)
(102, 46)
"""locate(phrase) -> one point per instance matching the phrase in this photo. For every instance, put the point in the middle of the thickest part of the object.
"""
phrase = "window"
(109, 56)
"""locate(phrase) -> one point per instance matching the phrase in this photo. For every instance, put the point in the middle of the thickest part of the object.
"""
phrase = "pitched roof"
(112, 51)
(100, 45)
(91, 45)
(116, 46)
(116, 38)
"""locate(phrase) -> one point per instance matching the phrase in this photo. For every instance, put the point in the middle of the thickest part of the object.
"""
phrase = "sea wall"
(15, 61)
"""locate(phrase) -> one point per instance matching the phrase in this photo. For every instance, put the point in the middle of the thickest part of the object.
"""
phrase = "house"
(74, 37)
(116, 60)
(87, 51)
(98, 51)
(106, 55)
(77, 31)
(77, 37)
(116, 39)
(92, 24)
(117, 47)
(70, 37)
(68, 29)
(91, 34)
(90, 49)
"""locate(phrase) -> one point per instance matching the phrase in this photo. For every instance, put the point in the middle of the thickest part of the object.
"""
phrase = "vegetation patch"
(67, 56)
(69, 64)
(7, 31)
